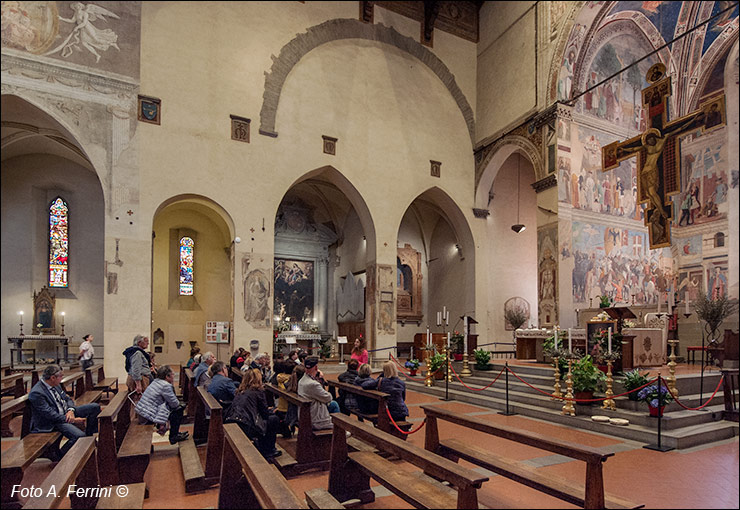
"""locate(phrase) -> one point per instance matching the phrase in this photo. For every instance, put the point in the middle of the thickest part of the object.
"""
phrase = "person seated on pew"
(233, 363)
(222, 387)
(283, 371)
(53, 410)
(321, 402)
(138, 365)
(346, 400)
(86, 352)
(159, 404)
(249, 410)
(244, 361)
(366, 405)
(191, 362)
(302, 355)
(291, 416)
(293, 356)
(201, 375)
(261, 362)
(389, 382)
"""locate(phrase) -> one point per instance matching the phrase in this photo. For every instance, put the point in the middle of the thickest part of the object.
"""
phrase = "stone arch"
(339, 29)
(202, 201)
(499, 153)
(722, 46)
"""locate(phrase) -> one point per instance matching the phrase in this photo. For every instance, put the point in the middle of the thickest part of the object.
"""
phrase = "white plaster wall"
(29, 183)
(512, 257)
(390, 113)
(506, 67)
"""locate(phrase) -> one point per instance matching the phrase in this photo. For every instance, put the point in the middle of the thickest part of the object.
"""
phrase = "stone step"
(642, 428)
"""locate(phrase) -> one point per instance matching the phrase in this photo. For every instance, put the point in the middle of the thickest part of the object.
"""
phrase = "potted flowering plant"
(457, 344)
(412, 365)
(605, 301)
(657, 397)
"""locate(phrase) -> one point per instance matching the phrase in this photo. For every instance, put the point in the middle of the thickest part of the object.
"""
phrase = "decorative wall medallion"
(149, 109)
(330, 145)
(436, 168)
(240, 128)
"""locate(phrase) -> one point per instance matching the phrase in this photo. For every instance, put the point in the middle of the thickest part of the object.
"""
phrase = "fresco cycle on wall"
(618, 263)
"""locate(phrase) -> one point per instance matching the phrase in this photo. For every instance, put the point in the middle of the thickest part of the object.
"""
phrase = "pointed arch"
(340, 29)
(496, 158)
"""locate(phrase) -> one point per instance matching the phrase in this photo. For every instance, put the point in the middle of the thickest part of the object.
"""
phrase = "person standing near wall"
(86, 352)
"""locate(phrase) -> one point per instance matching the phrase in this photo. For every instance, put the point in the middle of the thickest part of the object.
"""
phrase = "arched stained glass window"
(186, 266)
(58, 243)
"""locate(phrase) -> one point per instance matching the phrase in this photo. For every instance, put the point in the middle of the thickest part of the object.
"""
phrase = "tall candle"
(610, 340)
(448, 340)
(439, 319)
(556, 340)
(447, 318)
(429, 340)
(570, 341)
(21, 314)
(660, 297)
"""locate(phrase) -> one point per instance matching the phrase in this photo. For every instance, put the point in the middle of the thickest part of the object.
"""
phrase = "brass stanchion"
(465, 372)
(556, 365)
(671, 379)
(568, 407)
(609, 402)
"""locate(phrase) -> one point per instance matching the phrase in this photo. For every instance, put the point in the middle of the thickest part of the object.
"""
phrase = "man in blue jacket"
(222, 387)
(53, 410)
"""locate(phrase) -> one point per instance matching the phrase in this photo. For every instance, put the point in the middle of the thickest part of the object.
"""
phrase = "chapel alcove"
(190, 279)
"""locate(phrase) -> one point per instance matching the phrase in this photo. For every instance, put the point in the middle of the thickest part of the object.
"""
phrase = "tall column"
(321, 300)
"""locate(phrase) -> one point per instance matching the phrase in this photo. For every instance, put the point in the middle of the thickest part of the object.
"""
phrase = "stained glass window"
(186, 266)
(58, 243)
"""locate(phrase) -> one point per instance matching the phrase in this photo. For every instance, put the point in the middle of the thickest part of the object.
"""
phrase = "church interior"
(527, 203)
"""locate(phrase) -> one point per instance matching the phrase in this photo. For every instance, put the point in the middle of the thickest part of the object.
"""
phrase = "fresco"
(690, 283)
(718, 25)
(586, 187)
(619, 100)
(617, 262)
(704, 185)
(716, 282)
(664, 15)
(294, 294)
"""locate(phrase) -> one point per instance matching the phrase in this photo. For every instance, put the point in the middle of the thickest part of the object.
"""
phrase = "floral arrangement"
(601, 317)
(655, 395)
(600, 350)
(629, 323)
(605, 301)
(412, 364)
(457, 341)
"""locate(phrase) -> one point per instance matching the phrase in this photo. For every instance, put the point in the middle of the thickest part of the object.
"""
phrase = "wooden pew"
(124, 448)
(237, 375)
(18, 457)
(80, 467)
(380, 419)
(78, 390)
(107, 384)
(350, 473)
(308, 448)
(247, 479)
(208, 431)
(13, 385)
(5, 370)
(590, 496)
(190, 392)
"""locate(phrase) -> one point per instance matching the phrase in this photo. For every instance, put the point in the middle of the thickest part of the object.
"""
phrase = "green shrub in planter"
(633, 379)
(482, 358)
(587, 376)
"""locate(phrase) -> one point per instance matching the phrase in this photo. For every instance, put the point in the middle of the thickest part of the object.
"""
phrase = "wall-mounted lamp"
(519, 227)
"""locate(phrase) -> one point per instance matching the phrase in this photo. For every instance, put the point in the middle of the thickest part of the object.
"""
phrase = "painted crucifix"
(657, 152)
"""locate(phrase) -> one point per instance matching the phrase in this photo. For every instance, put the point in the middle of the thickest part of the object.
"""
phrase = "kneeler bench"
(589, 496)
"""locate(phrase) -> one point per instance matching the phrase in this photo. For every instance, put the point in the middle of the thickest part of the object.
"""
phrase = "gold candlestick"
(465, 372)
(449, 364)
(609, 402)
(429, 379)
(568, 407)
(671, 379)
(556, 394)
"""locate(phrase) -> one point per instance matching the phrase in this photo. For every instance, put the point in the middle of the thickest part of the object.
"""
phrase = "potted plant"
(412, 365)
(605, 301)
(435, 363)
(657, 397)
(548, 346)
(482, 357)
(516, 316)
(457, 345)
(712, 312)
(633, 380)
(587, 379)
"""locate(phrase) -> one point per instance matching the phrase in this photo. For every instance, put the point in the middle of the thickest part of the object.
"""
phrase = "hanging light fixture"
(519, 227)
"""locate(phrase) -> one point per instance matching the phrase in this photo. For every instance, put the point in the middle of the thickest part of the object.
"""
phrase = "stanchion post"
(507, 412)
(659, 447)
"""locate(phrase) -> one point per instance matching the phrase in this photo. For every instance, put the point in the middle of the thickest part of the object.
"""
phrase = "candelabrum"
(557, 395)
(671, 379)
(568, 407)
(465, 372)
(429, 379)
(609, 402)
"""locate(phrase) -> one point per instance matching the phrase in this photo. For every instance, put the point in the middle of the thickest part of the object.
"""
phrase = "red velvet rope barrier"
(403, 431)
(701, 406)
(404, 371)
(580, 399)
(474, 389)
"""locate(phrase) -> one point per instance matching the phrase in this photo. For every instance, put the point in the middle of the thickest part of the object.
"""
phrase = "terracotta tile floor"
(703, 477)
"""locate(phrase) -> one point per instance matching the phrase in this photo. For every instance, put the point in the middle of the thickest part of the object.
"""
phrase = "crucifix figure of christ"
(657, 151)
